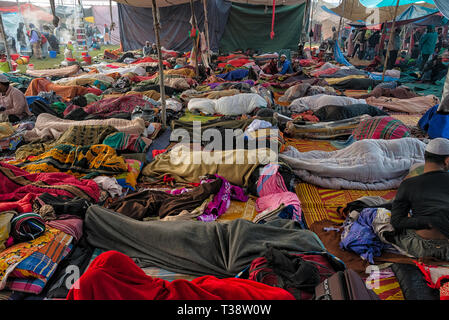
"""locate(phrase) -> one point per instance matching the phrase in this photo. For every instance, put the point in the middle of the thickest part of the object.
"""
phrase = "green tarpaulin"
(249, 26)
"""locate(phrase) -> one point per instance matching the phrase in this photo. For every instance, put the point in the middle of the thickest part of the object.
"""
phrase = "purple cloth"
(34, 37)
(222, 200)
(361, 237)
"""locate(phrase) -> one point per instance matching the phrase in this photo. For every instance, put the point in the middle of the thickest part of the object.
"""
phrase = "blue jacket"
(287, 67)
(428, 42)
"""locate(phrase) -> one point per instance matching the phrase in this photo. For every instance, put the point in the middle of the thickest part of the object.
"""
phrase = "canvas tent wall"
(175, 24)
(136, 24)
(248, 26)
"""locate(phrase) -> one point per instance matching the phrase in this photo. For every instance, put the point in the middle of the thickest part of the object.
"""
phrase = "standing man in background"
(107, 36)
(427, 45)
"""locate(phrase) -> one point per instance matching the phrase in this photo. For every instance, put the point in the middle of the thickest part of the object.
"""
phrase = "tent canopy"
(354, 10)
(413, 14)
(390, 3)
(168, 3)
(443, 6)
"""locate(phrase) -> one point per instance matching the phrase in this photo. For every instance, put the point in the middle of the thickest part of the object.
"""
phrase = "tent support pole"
(305, 24)
(389, 40)
(311, 25)
(206, 29)
(156, 27)
(195, 43)
(340, 25)
(2, 29)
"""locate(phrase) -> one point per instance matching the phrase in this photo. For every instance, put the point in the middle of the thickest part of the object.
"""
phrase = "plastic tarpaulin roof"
(168, 3)
(414, 12)
(353, 10)
(443, 6)
(390, 3)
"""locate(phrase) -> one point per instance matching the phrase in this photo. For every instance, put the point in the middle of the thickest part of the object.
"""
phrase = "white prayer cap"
(439, 146)
(283, 55)
(3, 78)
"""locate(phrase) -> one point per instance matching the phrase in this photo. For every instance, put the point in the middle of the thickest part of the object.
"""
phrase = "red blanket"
(17, 184)
(149, 59)
(108, 107)
(115, 276)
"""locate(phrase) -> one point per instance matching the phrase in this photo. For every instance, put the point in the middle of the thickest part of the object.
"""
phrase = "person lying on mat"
(420, 212)
(12, 101)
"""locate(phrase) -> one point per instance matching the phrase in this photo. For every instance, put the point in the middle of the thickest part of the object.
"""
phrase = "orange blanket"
(66, 92)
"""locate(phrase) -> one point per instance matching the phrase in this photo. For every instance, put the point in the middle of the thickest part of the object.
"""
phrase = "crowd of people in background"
(38, 41)
(424, 44)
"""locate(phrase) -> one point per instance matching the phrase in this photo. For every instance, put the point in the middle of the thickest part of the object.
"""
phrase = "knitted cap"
(439, 146)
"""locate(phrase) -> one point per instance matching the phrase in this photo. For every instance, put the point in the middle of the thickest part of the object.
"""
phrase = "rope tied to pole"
(272, 20)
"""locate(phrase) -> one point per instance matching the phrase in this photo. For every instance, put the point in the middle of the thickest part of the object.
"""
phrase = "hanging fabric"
(272, 20)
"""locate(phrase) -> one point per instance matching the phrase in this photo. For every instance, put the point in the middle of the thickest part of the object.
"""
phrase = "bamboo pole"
(341, 19)
(389, 40)
(305, 24)
(206, 30)
(2, 30)
(195, 43)
(311, 25)
(156, 27)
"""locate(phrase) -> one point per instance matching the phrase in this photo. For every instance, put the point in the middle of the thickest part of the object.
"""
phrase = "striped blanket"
(11, 257)
(80, 161)
(127, 142)
(32, 274)
(384, 127)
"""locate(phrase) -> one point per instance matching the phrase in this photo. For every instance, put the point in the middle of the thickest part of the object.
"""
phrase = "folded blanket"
(364, 165)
